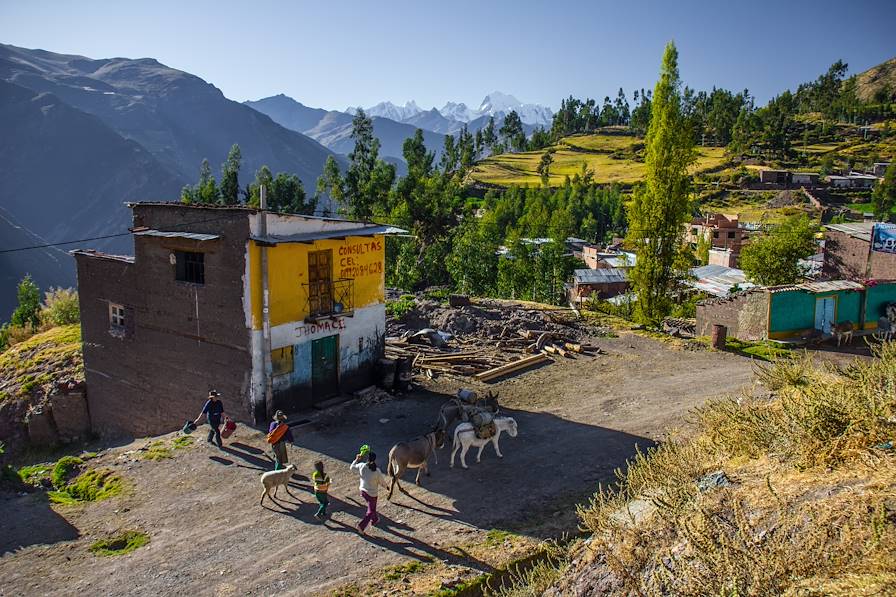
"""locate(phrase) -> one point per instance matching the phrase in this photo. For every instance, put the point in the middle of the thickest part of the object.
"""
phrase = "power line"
(119, 234)
(68, 242)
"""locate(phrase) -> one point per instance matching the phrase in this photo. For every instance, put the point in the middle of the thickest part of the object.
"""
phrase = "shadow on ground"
(28, 520)
(552, 457)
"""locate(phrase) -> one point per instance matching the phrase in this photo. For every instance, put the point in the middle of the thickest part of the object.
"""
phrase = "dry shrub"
(812, 505)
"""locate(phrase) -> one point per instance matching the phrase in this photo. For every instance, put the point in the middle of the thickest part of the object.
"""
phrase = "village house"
(601, 283)
(848, 254)
(597, 258)
(724, 234)
(809, 179)
(797, 311)
(275, 311)
(780, 177)
(880, 168)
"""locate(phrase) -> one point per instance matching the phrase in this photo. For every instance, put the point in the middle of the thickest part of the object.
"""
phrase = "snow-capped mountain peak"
(496, 102)
(458, 111)
(391, 111)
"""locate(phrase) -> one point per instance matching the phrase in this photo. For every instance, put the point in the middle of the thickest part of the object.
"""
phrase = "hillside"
(333, 129)
(613, 158)
(179, 118)
(787, 494)
(66, 175)
(878, 83)
(49, 266)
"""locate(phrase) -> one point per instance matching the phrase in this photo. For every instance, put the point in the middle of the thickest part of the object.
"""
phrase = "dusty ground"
(579, 419)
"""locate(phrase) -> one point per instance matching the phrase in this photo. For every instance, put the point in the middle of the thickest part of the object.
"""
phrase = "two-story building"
(724, 234)
(276, 311)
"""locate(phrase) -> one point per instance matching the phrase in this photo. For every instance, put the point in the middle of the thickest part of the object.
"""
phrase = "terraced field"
(612, 159)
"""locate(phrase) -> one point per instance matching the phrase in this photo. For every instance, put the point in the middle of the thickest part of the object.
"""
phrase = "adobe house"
(724, 234)
(797, 311)
(781, 177)
(848, 254)
(187, 313)
(804, 178)
(601, 283)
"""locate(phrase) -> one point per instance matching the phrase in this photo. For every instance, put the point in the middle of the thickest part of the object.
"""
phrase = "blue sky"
(335, 54)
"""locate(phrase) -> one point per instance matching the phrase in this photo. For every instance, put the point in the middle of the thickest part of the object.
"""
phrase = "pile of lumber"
(478, 363)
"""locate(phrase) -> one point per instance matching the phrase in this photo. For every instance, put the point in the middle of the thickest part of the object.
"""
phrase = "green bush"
(401, 307)
(60, 307)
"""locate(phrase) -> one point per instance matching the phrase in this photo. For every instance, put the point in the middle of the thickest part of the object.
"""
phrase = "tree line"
(283, 192)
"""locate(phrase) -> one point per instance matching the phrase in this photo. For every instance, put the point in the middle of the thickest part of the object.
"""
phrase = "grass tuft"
(90, 486)
(64, 470)
(120, 544)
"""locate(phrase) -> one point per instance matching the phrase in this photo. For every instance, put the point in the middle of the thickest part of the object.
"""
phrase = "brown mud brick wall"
(181, 339)
(745, 315)
(846, 258)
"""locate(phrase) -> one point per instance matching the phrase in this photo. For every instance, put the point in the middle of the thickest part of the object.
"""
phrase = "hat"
(279, 416)
(214, 393)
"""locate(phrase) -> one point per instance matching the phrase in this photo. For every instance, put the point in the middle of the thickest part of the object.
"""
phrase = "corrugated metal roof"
(621, 260)
(818, 287)
(860, 230)
(307, 237)
(600, 276)
(718, 280)
(187, 235)
(830, 286)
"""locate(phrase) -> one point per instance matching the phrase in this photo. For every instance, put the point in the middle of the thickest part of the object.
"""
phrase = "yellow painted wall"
(359, 258)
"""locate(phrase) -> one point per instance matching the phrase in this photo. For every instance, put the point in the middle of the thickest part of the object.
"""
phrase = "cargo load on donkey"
(468, 407)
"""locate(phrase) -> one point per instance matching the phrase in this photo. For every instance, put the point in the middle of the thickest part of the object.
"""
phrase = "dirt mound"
(486, 320)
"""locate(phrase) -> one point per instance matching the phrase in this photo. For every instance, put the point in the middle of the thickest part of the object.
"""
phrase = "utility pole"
(265, 307)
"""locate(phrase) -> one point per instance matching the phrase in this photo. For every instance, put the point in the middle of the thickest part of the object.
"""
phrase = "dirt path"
(578, 419)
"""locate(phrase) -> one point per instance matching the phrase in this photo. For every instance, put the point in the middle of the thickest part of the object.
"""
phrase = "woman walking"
(371, 480)
(279, 434)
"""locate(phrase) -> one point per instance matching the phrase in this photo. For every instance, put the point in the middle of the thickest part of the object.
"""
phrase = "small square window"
(116, 318)
(281, 361)
(731, 235)
(190, 267)
(715, 234)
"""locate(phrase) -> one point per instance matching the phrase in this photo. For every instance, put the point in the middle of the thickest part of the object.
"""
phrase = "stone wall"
(745, 315)
(181, 339)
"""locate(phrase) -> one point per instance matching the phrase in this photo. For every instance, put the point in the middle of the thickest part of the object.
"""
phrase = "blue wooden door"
(824, 314)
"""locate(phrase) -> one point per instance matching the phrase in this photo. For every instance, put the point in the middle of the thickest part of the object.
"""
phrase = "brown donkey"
(414, 454)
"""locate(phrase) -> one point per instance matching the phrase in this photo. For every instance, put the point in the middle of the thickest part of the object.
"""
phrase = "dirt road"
(578, 420)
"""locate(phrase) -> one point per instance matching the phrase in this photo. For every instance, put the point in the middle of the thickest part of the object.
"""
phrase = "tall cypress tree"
(660, 205)
(230, 173)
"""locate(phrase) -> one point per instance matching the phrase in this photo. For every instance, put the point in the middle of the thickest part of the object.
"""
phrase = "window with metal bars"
(190, 267)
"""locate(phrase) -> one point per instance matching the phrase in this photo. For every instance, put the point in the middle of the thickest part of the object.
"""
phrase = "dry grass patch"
(806, 504)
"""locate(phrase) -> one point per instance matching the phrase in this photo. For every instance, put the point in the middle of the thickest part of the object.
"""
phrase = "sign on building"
(883, 238)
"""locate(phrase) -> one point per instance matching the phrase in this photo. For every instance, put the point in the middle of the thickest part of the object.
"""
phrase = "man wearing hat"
(213, 411)
(281, 458)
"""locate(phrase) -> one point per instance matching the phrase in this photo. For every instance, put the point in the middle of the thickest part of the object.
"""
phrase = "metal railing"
(330, 298)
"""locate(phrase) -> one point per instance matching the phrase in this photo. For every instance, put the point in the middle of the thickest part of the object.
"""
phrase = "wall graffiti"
(328, 325)
(351, 262)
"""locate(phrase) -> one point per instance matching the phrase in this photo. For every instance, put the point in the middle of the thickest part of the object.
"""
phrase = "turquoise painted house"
(798, 310)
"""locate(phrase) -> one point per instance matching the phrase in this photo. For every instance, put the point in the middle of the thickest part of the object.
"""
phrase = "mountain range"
(495, 104)
(81, 137)
(393, 124)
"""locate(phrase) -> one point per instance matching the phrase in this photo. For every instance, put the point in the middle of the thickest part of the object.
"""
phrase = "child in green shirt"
(321, 482)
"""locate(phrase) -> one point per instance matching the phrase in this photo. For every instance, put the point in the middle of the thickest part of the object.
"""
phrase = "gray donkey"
(414, 454)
